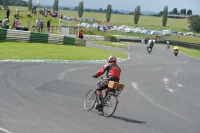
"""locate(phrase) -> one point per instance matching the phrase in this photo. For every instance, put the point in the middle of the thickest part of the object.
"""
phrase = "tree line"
(176, 12)
(194, 21)
(5, 3)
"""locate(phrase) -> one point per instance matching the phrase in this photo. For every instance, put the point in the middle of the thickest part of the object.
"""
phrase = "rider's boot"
(99, 100)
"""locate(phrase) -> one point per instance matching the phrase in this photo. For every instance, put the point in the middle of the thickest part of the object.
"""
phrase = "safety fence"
(27, 36)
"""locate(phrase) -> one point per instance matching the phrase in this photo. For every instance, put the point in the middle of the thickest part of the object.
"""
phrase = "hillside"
(117, 19)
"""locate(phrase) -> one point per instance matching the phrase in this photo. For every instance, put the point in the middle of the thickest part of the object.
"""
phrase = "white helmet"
(112, 59)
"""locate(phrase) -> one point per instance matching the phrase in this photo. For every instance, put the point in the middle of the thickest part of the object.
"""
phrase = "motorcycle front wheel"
(90, 100)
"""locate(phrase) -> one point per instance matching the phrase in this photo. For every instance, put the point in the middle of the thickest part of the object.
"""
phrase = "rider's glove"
(94, 76)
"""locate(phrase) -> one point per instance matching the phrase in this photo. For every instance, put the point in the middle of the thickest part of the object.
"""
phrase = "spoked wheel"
(90, 100)
(109, 105)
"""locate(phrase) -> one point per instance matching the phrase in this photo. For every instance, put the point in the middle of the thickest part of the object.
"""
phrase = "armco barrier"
(55, 39)
(39, 37)
(129, 40)
(173, 43)
(3, 33)
(69, 40)
(93, 37)
(18, 35)
(27, 36)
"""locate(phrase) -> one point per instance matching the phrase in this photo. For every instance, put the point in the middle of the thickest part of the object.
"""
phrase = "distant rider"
(175, 48)
(112, 73)
(151, 44)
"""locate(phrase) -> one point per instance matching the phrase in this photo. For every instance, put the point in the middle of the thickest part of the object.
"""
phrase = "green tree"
(55, 6)
(80, 9)
(164, 16)
(100, 10)
(29, 4)
(175, 11)
(160, 13)
(5, 4)
(189, 12)
(137, 15)
(24, 3)
(194, 22)
(108, 13)
(183, 11)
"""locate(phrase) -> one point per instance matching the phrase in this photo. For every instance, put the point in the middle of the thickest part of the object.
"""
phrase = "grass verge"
(24, 51)
(191, 52)
(190, 39)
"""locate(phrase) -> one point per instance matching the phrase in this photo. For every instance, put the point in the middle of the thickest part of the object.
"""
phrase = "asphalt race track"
(161, 95)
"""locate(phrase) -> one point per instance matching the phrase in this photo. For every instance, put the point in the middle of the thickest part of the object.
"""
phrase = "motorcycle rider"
(146, 41)
(175, 49)
(167, 43)
(151, 43)
(113, 74)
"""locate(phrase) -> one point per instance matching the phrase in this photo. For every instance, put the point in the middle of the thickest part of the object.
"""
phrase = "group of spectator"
(40, 25)
(4, 23)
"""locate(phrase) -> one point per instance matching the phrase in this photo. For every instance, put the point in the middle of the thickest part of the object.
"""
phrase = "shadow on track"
(127, 119)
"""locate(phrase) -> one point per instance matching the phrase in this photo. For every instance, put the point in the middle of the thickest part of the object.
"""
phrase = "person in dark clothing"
(42, 24)
(48, 25)
(151, 44)
(7, 13)
(146, 41)
(81, 34)
(113, 74)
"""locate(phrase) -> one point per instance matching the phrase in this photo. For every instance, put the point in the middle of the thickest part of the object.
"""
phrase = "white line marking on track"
(170, 89)
(70, 70)
(166, 81)
(176, 72)
(179, 85)
(196, 105)
(135, 86)
(159, 68)
(4, 130)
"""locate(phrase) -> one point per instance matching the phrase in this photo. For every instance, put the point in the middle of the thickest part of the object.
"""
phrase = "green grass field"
(191, 52)
(23, 50)
(191, 39)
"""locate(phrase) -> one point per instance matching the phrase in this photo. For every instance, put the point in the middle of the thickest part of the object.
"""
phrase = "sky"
(129, 5)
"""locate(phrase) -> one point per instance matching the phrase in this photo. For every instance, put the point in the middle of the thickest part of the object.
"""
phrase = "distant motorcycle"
(175, 52)
(168, 46)
(149, 48)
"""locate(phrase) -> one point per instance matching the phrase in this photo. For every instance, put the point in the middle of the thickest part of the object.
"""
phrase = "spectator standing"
(7, 13)
(5, 24)
(81, 34)
(41, 24)
(37, 25)
(48, 25)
